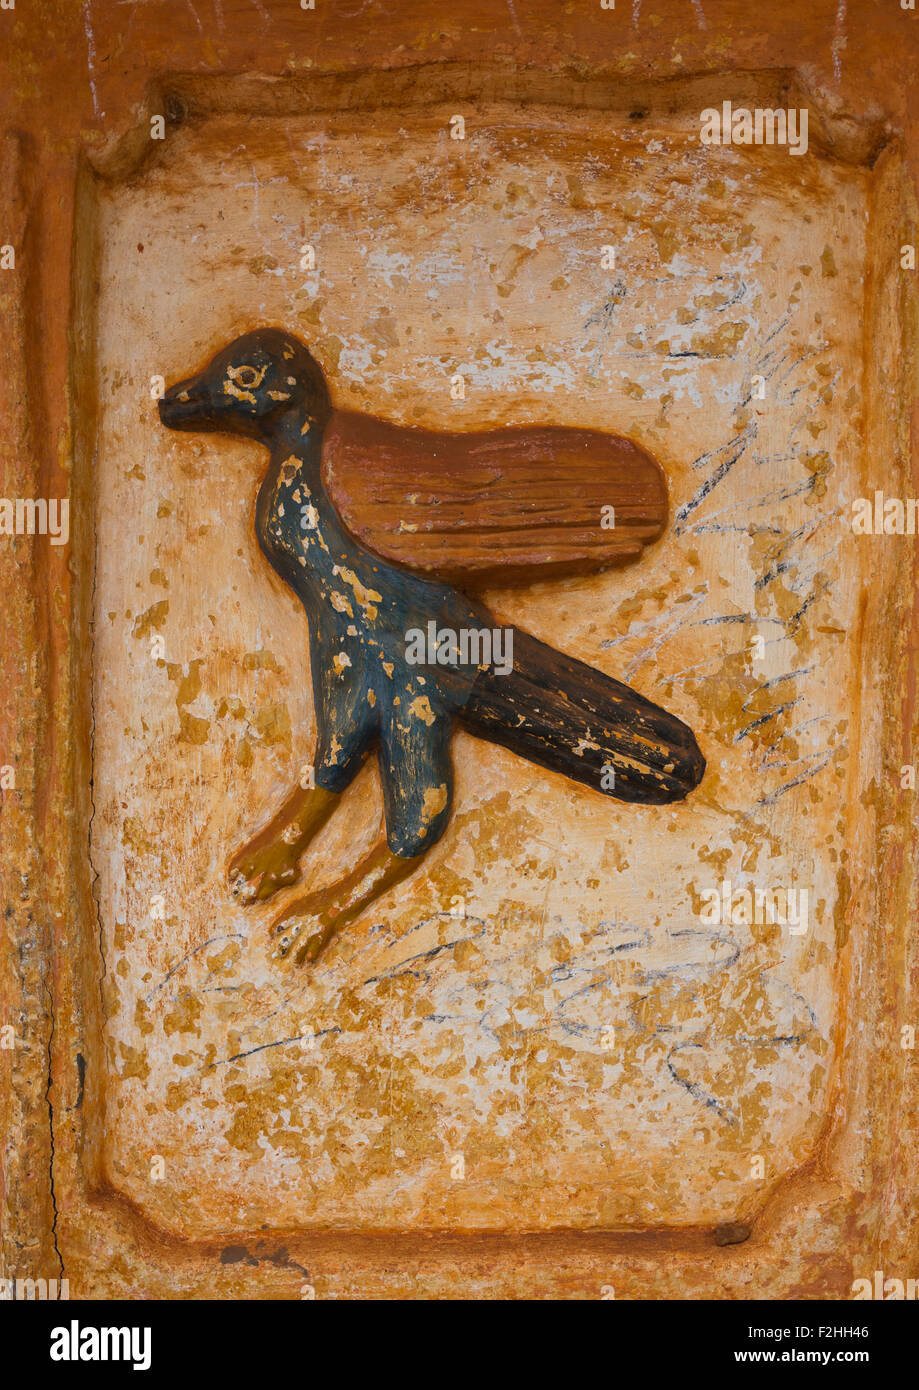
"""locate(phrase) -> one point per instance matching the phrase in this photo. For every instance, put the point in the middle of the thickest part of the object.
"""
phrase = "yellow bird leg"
(335, 907)
(271, 860)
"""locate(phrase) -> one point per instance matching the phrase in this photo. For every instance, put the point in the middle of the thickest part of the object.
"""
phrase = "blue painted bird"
(379, 529)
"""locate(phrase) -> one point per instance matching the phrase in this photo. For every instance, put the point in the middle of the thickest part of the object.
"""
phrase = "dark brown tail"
(562, 714)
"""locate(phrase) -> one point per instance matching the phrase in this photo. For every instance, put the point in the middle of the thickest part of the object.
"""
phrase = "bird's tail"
(562, 714)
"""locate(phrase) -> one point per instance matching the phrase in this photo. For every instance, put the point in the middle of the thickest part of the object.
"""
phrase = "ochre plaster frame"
(849, 1211)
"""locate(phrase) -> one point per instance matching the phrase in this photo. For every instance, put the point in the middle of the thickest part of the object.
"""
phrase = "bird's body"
(548, 707)
(360, 609)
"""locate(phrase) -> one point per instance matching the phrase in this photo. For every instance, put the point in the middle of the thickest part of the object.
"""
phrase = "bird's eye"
(246, 376)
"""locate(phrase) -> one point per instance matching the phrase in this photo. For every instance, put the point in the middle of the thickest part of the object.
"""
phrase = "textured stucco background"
(468, 1013)
(82, 83)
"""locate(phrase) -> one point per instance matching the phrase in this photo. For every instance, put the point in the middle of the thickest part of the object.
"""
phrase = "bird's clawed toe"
(290, 929)
(287, 934)
(254, 877)
(291, 949)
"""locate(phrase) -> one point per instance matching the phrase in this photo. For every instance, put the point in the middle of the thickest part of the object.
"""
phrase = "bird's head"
(252, 387)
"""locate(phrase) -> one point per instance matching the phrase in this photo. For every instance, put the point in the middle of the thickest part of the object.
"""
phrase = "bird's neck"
(298, 432)
(294, 516)
(301, 448)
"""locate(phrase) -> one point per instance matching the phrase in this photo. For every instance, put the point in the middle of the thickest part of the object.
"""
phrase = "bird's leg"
(332, 908)
(271, 860)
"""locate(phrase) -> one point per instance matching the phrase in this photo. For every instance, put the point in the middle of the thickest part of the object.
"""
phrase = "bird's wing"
(500, 506)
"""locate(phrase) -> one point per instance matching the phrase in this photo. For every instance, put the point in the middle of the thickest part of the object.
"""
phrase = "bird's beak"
(187, 406)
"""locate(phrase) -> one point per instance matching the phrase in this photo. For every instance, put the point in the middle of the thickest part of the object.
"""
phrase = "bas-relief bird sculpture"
(378, 529)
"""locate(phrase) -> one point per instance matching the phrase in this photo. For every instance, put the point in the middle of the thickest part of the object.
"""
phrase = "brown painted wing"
(500, 506)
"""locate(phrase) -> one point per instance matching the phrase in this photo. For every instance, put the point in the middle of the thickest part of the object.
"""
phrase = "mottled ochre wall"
(557, 915)
(724, 1047)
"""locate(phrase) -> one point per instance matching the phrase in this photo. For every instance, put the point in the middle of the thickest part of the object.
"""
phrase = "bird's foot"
(308, 924)
(296, 943)
(271, 861)
(257, 871)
